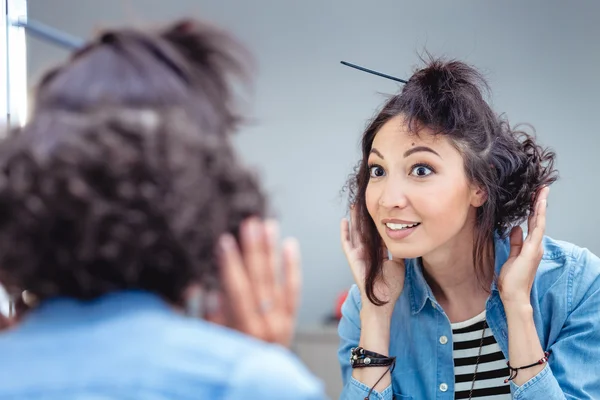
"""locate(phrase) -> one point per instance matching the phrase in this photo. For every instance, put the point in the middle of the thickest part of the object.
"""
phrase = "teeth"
(397, 227)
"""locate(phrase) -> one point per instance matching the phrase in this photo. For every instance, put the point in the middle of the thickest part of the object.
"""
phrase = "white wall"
(541, 58)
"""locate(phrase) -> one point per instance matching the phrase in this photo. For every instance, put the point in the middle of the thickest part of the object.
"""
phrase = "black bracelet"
(515, 371)
(372, 362)
(359, 358)
(361, 351)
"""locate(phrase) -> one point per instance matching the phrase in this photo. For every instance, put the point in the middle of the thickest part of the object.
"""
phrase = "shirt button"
(432, 304)
(443, 339)
(443, 387)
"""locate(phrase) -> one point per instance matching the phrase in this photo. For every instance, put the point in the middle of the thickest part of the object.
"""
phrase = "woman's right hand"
(375, 320)
(387, 289)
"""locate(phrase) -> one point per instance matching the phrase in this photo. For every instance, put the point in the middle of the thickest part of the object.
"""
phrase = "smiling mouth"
(401, 227)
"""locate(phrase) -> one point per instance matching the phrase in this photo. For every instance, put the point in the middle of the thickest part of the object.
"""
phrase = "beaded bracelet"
(515, 371)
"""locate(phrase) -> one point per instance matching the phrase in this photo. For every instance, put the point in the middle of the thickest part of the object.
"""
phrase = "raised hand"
(260, 291)
(517, 274)
(390, 287)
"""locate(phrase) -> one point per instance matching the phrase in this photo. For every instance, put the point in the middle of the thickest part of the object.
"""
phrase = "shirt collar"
(420, 291)
(64, 310)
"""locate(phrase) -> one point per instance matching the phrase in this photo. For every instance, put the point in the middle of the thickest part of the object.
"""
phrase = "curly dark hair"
(125, 175)
(447, 96)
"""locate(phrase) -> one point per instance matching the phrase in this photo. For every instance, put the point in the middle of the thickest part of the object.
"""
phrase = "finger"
(272, 242)
(541, 195)
(236, 283)
(531, 219)
(292, 275)
(354, 234)
(544, 193)
(516, 241)
(275, 272)
(256, 259)
(345, 236)
(535, 238)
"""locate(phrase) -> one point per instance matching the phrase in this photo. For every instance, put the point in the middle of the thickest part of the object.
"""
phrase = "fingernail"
(255, 228)
(226, 242)
(251, 228)
(272, 228)
(293, 245)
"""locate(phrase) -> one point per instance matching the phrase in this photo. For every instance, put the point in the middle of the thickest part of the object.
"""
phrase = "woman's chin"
(406, 251)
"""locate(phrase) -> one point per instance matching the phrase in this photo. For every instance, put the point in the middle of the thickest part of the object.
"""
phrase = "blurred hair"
(125, 176)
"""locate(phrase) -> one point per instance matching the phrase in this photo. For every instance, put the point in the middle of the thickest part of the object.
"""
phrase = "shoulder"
(569, 268)
(238, 363)
(567, 258)
(272, 372)
(353, 303)
(354, 296)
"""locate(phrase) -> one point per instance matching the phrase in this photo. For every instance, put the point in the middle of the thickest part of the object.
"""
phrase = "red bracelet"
(515, 371)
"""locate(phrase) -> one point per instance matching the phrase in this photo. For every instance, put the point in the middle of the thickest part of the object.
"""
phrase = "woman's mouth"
(398, 227)
(398, 231)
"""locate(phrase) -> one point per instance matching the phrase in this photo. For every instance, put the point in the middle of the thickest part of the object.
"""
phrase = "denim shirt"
(566, 308)
(132, 345)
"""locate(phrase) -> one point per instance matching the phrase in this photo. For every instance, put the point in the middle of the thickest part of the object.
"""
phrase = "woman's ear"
(478, 196)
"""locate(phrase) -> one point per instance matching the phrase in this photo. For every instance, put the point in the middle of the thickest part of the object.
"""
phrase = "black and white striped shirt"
(492, 369)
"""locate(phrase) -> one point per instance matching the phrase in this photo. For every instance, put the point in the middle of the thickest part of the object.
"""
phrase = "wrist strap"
(372, 362)
(359, 358)
(361, 351)
(515, 370)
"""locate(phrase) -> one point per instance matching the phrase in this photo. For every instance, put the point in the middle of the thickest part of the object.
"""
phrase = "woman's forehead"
(396, 136)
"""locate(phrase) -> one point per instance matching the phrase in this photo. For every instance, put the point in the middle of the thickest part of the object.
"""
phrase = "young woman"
(115, 197)
(442, 186)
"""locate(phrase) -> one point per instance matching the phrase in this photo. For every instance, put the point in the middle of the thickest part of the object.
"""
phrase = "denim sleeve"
(571, 372)
(349, 332)
(273, 374)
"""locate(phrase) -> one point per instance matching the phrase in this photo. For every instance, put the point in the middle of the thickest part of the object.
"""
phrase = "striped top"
(492, 369)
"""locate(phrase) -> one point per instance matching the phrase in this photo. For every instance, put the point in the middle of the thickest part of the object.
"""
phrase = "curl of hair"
(522, 167)
(507, 163)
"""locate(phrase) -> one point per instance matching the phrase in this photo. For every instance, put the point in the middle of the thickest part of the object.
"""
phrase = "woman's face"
(418, 194)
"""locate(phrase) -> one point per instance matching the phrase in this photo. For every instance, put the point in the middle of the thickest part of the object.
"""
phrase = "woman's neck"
(458, 286)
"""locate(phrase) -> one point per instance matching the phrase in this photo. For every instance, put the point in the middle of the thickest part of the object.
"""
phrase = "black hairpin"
(50, 34)
(370, 71)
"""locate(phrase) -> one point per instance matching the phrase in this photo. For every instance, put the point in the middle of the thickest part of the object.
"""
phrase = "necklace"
(478, 357)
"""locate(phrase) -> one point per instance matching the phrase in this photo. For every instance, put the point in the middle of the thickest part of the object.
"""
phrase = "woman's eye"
(376, 171)
(421, 170)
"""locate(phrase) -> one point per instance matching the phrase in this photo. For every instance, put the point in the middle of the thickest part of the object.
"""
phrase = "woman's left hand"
(518, 273)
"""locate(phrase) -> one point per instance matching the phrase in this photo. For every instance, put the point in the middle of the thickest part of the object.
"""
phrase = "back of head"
(188, 64)
(125, 176)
